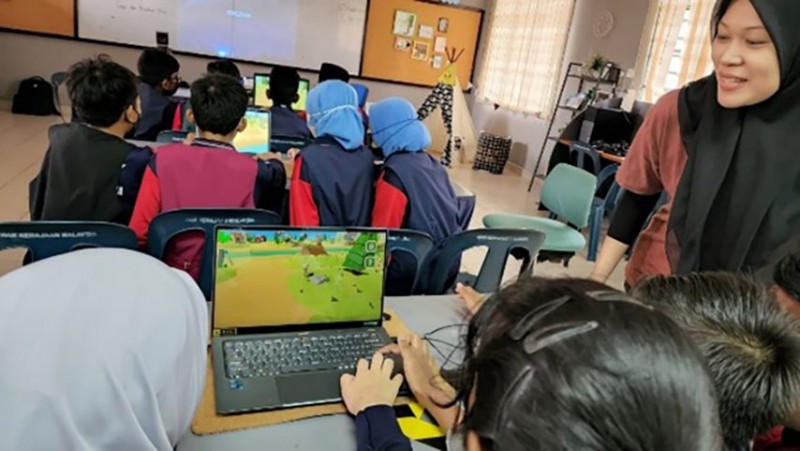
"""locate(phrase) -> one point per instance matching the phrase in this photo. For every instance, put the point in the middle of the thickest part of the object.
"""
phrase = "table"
(421, 314)
(606, 156)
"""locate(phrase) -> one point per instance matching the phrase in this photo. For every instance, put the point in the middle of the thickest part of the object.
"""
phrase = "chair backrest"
(585, 151)
(172, 137)
(568, 193)
(500, 243)
(610, 199)
(418, 244)
(282, 144)
(363, 93)
(50, 238)
(169, 225)
(58, 79)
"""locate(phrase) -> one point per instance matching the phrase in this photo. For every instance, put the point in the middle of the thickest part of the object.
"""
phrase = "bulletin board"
(39, 16)
(385, 57)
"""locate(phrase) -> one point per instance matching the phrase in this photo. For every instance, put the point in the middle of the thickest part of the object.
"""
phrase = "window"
(525, 50)
(679, 50)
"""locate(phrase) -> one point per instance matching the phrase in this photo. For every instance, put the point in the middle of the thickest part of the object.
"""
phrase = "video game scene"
(278, 278)
(262, 101)
(255, 137)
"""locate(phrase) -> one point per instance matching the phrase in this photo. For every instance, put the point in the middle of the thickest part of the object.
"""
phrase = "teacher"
(725, 151)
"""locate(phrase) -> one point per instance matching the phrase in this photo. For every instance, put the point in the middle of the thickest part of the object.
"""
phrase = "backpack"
(35, 96)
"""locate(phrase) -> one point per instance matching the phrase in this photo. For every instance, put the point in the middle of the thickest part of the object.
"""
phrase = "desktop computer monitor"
(261, 82)
(256, 136)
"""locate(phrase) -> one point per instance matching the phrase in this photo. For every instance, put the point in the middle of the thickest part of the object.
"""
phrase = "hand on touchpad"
(398, 362)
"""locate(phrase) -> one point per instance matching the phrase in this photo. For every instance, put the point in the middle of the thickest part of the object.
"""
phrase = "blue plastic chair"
(411, 242)
(58, 79)
(363, 93)
(169, 225)
(171, 137)
(45, 239)
(601, 207)
(568, 193)
(500, 244)
(585, 151)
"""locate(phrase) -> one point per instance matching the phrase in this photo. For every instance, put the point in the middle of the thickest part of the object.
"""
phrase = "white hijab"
(99, 350)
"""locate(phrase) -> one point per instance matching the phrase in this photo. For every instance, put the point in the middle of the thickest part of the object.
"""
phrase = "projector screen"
(299, 33)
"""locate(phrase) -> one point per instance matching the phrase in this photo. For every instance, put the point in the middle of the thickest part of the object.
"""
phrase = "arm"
(303, 210)
(270, 185)
(390, 202)
(377, 430)
(148, 205)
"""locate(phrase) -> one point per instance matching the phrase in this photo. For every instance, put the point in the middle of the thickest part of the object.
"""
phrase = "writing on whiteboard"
(237, 14)
(141, 8)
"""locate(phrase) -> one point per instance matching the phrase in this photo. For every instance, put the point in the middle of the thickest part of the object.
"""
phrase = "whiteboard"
(298, 33)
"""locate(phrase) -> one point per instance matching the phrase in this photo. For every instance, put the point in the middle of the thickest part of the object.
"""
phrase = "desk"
(606, 156)
(337, 432)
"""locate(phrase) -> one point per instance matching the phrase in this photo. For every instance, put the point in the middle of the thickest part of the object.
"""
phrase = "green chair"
(568, 193)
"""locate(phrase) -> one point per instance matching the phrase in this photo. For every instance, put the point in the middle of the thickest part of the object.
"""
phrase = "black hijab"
(737, 206)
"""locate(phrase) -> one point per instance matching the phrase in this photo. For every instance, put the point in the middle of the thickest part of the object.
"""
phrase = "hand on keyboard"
(371, 386)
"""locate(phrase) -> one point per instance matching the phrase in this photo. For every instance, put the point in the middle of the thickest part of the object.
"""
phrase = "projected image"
(255, 137)
(239, 28)
(262, 85)
(297, 277)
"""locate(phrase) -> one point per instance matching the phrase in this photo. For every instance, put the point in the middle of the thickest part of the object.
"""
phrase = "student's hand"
(268, 156)
(371, 386)
(189, 139)
(419, 366)
(471, 299)
(292, 153)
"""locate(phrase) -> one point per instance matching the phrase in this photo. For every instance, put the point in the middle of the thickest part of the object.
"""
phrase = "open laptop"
(294, 309)
(255, 138)
(260, 99)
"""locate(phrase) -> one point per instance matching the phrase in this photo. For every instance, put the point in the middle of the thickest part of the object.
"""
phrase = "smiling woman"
(718, 149)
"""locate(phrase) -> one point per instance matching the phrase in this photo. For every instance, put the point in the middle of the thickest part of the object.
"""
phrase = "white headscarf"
(99, 350)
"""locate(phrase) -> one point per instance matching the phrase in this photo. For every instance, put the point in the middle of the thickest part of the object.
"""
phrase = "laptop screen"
(256, 136)
(267, 278)
(260, 93)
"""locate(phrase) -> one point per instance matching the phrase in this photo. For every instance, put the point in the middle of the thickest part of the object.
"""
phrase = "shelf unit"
(573, 74)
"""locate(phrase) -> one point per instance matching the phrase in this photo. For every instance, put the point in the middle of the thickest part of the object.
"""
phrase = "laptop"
(293, 309)
(255, 138)
(260, 99)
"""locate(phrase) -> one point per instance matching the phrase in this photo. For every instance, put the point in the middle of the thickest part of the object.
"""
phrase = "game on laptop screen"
(266, 278)
(255, 137)
(261, 99)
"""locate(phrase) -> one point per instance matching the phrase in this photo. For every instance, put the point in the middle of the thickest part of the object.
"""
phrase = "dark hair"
(752, 348)
(330, 71)
(224, 67)
(283, 85)
(101, 90)
(720, 9)
(572, 364)
(787, 275)
(219, 103)
(156, 65)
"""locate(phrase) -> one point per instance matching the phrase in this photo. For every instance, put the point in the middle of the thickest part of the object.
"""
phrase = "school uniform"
(87, 175)
(158, 113)
(207, 174)
(287, 123)
(332, 183)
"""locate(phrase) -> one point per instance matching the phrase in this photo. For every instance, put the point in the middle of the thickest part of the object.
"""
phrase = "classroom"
(385, 225)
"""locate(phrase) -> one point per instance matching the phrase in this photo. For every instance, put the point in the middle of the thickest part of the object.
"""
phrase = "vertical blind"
(524, 55)
(680, 46)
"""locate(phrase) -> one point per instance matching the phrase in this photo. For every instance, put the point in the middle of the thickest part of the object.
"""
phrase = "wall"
(621, 46)
(24, 56)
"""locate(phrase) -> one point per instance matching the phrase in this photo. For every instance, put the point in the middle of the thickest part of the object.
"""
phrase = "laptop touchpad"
(310, 387)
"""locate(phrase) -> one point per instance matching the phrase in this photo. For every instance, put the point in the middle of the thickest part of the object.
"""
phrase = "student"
(283, 85)
(551, 365)
(90, 173)
(332, 183)
(221, 67)
(209, 173)
(90, 362)
(159, 80)
(718, 147)
(413, 191)
(330, 71)
(224, 67)
(751, 347)
(786, 286)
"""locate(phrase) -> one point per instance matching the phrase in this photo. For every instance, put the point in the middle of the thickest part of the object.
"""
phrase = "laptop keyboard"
(287, 355)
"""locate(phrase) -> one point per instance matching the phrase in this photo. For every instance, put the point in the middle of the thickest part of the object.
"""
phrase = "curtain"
(522, 63)
(680, 46)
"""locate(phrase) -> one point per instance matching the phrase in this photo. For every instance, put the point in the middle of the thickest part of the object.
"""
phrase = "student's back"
(284, 83)
(333, 178)
(158, 72)
(89, 172)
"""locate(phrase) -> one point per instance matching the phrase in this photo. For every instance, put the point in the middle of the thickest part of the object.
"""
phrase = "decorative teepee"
(447, 116)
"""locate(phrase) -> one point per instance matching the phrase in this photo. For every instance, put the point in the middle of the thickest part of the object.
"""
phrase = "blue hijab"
(333, 111)
(396, 127)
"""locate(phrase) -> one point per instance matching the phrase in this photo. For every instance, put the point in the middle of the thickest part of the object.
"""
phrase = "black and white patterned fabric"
(441, 97)
(493, 153)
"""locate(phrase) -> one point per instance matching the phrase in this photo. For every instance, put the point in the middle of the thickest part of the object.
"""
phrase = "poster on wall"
(405, 23)
(420, 50)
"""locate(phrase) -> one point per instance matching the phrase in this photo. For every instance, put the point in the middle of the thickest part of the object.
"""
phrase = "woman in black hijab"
(735, 205)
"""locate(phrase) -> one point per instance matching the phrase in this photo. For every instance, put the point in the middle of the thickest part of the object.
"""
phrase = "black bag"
(493, 153)
(35, 96)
